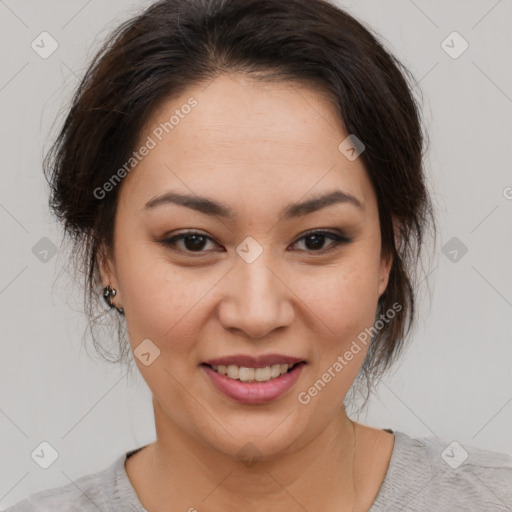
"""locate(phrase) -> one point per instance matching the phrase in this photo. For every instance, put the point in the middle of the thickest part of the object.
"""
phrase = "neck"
(319, 473)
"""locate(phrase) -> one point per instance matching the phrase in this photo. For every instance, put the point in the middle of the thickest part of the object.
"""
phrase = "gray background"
(455, 379)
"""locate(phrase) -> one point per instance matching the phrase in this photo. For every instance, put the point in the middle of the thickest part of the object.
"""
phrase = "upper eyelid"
(334, 236)
(326, 231)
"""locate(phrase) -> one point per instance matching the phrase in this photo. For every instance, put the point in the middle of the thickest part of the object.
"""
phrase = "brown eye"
(192, 242)
(314, 240)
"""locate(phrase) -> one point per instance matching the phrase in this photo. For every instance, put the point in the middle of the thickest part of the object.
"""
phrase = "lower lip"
(254, 392)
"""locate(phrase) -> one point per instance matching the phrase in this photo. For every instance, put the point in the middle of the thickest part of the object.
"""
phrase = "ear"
(106, 267)
(386, 263)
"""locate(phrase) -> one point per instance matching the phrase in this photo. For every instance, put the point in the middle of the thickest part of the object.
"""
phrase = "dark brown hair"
(178, 43)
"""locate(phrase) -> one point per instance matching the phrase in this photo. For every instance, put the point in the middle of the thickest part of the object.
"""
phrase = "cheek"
(344, 307)
(163, 302)
(344, 299)
(146, 284)
(159, 303)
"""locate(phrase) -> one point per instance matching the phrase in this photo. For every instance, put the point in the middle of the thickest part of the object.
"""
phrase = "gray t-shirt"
(425, 474)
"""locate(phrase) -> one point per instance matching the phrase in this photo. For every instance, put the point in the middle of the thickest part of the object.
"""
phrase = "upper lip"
(254, 361)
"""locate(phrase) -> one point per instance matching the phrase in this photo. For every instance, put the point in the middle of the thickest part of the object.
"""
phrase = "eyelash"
(337, 239)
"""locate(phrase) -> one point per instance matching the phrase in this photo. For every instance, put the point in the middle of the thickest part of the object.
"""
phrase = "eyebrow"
(293, 210)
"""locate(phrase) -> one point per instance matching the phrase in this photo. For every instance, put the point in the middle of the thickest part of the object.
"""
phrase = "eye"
(192, 241)
(195, 242)
(314, 240)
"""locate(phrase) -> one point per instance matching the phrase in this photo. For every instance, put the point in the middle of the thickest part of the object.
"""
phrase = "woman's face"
(255, 284)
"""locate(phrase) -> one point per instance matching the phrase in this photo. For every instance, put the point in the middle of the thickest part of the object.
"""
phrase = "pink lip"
(254, 392)
(254, 361)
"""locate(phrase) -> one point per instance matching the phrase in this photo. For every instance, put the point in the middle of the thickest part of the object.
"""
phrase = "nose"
(256, 298)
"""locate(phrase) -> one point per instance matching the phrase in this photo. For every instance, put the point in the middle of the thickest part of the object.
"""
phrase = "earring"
(108, 294)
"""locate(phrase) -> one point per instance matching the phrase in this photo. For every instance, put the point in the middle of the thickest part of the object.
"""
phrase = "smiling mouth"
(245, 374)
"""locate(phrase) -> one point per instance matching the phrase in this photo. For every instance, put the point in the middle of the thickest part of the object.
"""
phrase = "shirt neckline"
(378, 502)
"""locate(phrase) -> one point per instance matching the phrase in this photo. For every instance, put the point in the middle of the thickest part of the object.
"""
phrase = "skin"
(255, 147)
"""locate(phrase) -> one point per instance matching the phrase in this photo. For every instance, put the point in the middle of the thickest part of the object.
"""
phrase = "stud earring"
(108, 294)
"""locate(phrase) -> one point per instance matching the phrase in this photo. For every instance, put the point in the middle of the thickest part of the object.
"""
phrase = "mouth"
(256, 374)
(254, 380)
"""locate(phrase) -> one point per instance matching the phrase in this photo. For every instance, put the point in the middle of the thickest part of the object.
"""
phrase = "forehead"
(240, 139)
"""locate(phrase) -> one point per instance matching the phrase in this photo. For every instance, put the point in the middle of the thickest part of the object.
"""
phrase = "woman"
(243, 181)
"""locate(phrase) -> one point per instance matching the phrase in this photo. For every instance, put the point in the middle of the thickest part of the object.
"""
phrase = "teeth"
(252, 374)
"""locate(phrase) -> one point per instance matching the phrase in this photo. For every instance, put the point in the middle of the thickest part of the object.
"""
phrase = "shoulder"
(92, 492)
(432, 473)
